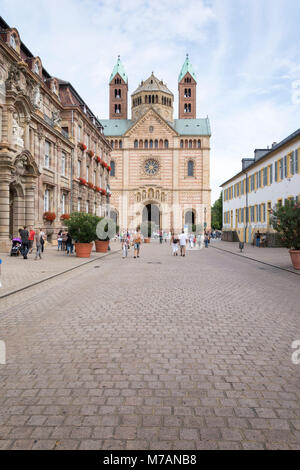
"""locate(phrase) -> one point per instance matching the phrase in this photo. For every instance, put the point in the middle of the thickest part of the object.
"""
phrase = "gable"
(151, 118)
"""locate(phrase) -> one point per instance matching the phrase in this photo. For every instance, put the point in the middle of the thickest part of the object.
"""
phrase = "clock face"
(151, 167)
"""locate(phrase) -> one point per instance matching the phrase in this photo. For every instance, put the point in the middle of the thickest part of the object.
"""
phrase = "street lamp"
(205, 224)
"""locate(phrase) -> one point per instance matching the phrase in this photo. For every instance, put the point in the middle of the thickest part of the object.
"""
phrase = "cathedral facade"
(160, 166)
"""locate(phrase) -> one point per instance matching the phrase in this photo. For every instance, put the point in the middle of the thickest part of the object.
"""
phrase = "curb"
(12, 292)
(257, 260)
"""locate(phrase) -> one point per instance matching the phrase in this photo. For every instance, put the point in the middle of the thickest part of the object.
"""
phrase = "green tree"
(217, 213)
(286, 221)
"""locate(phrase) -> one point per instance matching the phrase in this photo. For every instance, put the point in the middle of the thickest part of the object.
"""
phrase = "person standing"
(206, 240)
(37, 238)
(137, 243)
(24, 234)
(182, 242)
(160, 237)
(69, 244)
(31, 239)
(257, 238)
(124, 246)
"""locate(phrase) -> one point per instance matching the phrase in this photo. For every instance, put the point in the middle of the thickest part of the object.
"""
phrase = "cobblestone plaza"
(160, 352)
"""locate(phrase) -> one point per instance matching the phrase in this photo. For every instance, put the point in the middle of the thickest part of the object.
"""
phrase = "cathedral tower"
(187, 85)
(118, 92)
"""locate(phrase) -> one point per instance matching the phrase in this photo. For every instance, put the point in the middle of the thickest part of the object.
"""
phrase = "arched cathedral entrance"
(151, 213)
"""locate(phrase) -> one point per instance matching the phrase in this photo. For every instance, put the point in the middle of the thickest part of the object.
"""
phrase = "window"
(113, 168)
(181, 144)
(281, 168)
(166, 144)
(190, 168)
(117, 108)
(36, 68)
(136, 144)
(13, 41)
(252, 213)
(78, 205)
(47, 154)
(46, 200)
(151, 144)
(78, 168)
(87, 173)
(94, 178)
(63, 164)
(271, 174)
(265, 178)
(252, 183)
(296, 163)
(79, 134)
(87, 207)
(156, 143)
(276, 171)
(190, 144)
(199, 144)
(120, 144)
(263, 206)
(63, 203)
(146, 144)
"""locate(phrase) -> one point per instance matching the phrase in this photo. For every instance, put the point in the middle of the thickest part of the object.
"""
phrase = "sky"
(245, 53)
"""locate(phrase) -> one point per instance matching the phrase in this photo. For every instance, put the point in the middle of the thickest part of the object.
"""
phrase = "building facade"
(266, 180)
(39, 148)
(160, 165)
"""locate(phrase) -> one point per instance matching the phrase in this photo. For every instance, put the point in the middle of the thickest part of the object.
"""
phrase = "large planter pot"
(83, 250)
(295, 257)
(147, 240)
(101, 246)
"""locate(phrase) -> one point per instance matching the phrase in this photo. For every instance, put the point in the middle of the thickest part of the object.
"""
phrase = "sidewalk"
(278, 257)
(17, 273)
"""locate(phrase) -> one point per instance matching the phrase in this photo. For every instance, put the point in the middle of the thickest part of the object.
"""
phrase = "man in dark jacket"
(24, 234)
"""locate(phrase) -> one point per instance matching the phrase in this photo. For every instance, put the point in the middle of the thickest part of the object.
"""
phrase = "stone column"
(5, 176)
(29, 201)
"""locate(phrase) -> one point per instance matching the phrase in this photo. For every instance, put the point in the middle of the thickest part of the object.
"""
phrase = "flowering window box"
(98, 189)
(65, 217)
(91, 153)
(98, 159)
(82, 181)
(82, 146)
(90, 185)
(109, 168)
(49, 216)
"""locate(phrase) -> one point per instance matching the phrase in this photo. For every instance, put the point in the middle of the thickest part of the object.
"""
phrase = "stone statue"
(13, 78)
(36, 97)
(17, 131)
(56, 118)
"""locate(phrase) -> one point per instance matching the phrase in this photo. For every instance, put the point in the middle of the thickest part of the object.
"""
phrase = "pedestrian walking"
(24, 234)
(42, 238)
(59, 240)
(160, 237)
(174, 243)
(182, 243)
(64, 237)
(257, 237)
(125, 246)
(31, 239)
(206, 240)
(38, 245)
(137, 243)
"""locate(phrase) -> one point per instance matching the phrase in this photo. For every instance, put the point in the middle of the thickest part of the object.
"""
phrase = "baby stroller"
(16, 247)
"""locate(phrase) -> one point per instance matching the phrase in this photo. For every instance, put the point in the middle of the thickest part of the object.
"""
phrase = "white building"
(271, 177)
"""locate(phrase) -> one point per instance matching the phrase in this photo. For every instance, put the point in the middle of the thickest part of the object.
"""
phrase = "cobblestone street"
(160, 352)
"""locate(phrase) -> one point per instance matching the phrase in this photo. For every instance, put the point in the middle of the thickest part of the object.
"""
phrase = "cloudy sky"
(246, 54)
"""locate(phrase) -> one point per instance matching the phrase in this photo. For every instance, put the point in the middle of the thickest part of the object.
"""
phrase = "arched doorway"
(189, 218)
(151, 213)
(16, 209)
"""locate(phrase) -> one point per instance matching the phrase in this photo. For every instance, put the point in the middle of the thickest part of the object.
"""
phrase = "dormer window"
(54, 88)
(13, 41)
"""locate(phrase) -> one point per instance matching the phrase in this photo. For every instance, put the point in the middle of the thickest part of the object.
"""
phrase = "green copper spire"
(119, 69)
(187, 68)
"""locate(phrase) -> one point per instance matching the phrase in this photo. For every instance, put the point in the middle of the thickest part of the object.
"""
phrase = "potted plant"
(82, 146)
(285, 220)
(82, 228)
(49, 216)
(91, 153)
(82, 181)
(65, 217)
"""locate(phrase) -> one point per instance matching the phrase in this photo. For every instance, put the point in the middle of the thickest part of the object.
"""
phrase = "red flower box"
(104, 192)
(98, 159)
(109, 168)
(82, 146)
(82, 181)
(105, 165)
(65, 217)
(98, 189)
(90, 185)
(91, 153)
(49, 216)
